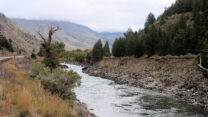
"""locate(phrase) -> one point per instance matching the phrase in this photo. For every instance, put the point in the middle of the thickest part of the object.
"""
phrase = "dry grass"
(153, 62)
(4, 73)
(5, 103)
(110, 63)
(23, 63)
(5, 54)
(21, 96)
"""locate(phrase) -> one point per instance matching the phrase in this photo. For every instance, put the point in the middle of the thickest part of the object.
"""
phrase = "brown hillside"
(21, 40)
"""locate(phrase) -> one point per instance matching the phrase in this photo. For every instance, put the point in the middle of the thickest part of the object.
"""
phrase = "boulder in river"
(64, 66)
(84, 68)
(112, 83)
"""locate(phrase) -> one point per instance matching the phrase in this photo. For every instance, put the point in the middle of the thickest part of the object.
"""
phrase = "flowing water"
(106, 100)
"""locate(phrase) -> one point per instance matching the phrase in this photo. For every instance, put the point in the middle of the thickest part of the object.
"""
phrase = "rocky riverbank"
(82, 109)
(178, 77)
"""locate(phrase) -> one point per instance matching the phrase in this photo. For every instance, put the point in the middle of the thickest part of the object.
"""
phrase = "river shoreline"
(188, 84)
(83, 109)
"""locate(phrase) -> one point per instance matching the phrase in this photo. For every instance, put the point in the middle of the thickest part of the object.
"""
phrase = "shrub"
(36, 69)
(60, 82)
(33, 56)
(52, 63)
(57, 82)
(4, 43)
(80, 58)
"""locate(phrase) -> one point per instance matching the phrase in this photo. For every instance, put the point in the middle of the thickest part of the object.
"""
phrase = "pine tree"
(119, 47)
(150, 20)
(130, 39)
(97, 52)
(115, 48)
(139, 50)
(151, 41)
(106, 50)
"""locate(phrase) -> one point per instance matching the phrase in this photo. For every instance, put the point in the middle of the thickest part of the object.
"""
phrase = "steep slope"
(182, 29)
(21, 40)
(73, 35)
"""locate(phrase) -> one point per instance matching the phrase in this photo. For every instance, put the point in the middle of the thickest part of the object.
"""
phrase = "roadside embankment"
(179, 77)
(2, 59)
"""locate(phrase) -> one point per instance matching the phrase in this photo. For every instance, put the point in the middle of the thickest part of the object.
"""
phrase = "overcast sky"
(100, 15)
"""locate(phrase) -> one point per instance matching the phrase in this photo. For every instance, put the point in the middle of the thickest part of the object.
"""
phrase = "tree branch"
(42, 37)
(52, 30)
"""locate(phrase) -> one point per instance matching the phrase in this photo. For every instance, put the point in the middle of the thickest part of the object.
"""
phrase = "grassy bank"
(24, 96)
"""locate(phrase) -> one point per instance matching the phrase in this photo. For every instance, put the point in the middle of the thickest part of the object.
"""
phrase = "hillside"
(73, 35)
(180, 30)
(21, 40)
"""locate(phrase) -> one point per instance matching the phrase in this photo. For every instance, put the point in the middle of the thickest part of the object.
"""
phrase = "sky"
(99, 15)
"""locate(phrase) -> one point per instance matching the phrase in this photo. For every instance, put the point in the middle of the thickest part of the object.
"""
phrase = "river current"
(105, 100)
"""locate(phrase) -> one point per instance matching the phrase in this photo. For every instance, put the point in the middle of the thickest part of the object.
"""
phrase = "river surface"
(106, 100)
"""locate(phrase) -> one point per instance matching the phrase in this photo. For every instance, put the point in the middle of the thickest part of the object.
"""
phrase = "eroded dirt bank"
(174, 76)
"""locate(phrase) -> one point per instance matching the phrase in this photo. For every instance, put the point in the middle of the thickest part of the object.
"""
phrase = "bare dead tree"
(47, 41)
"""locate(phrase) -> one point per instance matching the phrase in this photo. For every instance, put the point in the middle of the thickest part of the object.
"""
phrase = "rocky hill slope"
(21, 40)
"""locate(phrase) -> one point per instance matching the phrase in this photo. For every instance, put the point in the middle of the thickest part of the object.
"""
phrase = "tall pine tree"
(150, 20)
(106, 50)
(97, 52)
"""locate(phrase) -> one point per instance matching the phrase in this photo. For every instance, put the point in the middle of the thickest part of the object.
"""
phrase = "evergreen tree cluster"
(98, 51)
(187, 35)
(5, 44)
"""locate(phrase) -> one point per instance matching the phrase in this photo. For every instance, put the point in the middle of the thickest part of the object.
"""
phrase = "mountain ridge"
(75, 36)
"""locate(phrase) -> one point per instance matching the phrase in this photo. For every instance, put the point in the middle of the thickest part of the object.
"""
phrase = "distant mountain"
(111, 36)
(73, 35)
(111, 33)
(21, 40)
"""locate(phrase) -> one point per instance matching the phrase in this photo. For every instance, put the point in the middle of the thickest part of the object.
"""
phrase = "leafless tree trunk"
(47, 42)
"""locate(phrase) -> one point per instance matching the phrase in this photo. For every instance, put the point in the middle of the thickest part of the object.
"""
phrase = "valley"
(104, 58)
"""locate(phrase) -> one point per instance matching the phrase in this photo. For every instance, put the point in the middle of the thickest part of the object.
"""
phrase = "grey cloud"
(100, 15)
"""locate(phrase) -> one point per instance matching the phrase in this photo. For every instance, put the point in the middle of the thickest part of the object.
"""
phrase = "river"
(106, 100)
